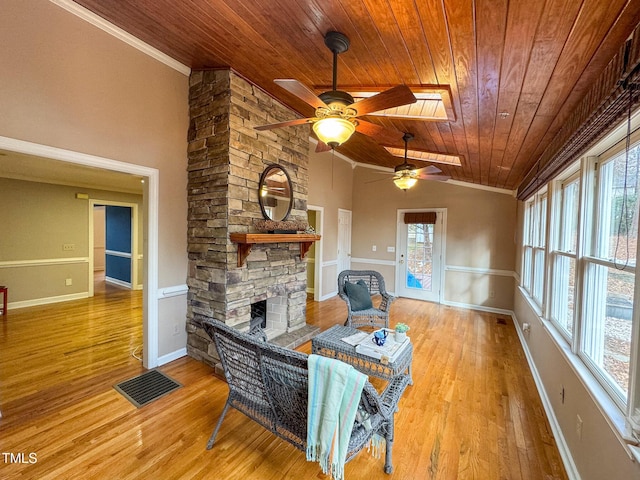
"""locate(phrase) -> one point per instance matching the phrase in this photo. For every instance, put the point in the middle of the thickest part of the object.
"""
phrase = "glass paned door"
(420, 261)
(419, 256)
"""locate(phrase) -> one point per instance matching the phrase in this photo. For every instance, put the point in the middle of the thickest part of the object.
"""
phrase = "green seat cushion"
(358, 294)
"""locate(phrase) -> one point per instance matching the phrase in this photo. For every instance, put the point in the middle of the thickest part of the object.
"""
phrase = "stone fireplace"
(226, 158)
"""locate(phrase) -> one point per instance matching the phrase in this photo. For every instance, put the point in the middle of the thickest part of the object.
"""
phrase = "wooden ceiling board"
(404, 15)
(460, 18)
(535, 60)
(547, 123)
(389, 32)
(491, 25)
(432, 16)
(554, 27)
(522, 24)
(368, 43)
(305, 56)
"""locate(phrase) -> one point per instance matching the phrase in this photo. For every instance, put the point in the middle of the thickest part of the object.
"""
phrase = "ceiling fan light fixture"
(405, 182)
(334, 131)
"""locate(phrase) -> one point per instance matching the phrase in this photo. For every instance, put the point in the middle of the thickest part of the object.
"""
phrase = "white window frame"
(590, 338)
(623, 415)
(538, 242)
(558, 253)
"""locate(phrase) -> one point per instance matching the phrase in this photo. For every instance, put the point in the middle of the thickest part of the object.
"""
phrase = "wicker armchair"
(373, 317)
(269, 384)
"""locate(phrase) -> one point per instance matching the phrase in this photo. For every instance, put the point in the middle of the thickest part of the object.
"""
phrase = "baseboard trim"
(47, 300)
(170, 357)
(563, 448)
(115, 281)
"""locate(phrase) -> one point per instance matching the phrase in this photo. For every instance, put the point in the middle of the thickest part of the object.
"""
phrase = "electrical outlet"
(68, 247)
(68, 282)
(391, 249)
(374, 248)
(579, 427)
(492, 294)
(176, 329)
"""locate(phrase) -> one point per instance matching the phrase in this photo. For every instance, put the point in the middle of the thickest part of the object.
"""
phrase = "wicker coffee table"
(329, 344)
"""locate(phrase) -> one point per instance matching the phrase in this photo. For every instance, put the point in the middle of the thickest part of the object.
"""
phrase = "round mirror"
(275, 193)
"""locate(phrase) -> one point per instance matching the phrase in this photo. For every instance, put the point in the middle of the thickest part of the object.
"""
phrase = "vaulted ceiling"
(515, 68)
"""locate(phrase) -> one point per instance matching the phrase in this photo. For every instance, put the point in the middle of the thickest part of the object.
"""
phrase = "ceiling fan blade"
(322, 147)
(381, 179)
(301, 91)
(379, 133)
(429, 170)
(393, 97)
(290, 123)
(437, 178)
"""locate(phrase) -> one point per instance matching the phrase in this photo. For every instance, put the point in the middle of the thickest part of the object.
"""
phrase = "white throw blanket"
(335, 389)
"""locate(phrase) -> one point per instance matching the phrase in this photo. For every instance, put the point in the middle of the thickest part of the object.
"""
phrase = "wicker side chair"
(269, 384)
(377, 317)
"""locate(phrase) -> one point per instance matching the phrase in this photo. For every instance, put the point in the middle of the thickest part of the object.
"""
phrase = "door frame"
(441, 213)
(135, 280)
(317, 265)
(340, 232)
(151, 196)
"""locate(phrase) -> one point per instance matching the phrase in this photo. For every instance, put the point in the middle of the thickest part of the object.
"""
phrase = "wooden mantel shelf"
(246, 240)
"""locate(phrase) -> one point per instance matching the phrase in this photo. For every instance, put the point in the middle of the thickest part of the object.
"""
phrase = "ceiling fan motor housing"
(337, 96)
(337, 42)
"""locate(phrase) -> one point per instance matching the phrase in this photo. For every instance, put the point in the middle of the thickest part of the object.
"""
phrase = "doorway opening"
(89, 163)
(315, 218)
(114, 243)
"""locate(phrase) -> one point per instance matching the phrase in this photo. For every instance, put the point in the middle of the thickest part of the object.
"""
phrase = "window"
(609, 278)
(533, 261)
(563, 256)
(527, 251)
(590, 269)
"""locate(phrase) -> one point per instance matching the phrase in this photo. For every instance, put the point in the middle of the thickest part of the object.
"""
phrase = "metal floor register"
(147, 387)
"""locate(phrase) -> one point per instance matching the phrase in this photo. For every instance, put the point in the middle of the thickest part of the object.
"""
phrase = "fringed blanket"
(334, 394)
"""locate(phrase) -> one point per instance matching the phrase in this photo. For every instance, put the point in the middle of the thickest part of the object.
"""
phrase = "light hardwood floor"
(472, 413)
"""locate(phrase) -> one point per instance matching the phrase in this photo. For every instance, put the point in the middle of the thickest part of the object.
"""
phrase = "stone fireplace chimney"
(226, 158)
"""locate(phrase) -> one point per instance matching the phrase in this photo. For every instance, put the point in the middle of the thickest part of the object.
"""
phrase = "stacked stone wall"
(226, 158)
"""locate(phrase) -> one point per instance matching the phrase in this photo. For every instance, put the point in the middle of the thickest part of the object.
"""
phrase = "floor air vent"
(147, 387)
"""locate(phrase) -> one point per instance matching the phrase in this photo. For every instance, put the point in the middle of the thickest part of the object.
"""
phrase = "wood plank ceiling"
(516, 68)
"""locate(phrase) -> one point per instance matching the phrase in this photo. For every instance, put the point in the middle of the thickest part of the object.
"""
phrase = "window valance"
(420, 217)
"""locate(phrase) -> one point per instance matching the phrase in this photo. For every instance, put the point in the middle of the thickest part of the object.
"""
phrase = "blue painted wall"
(118, 239)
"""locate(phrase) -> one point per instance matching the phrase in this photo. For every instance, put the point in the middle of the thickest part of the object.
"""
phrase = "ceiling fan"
(406, 174)
(337, 113)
